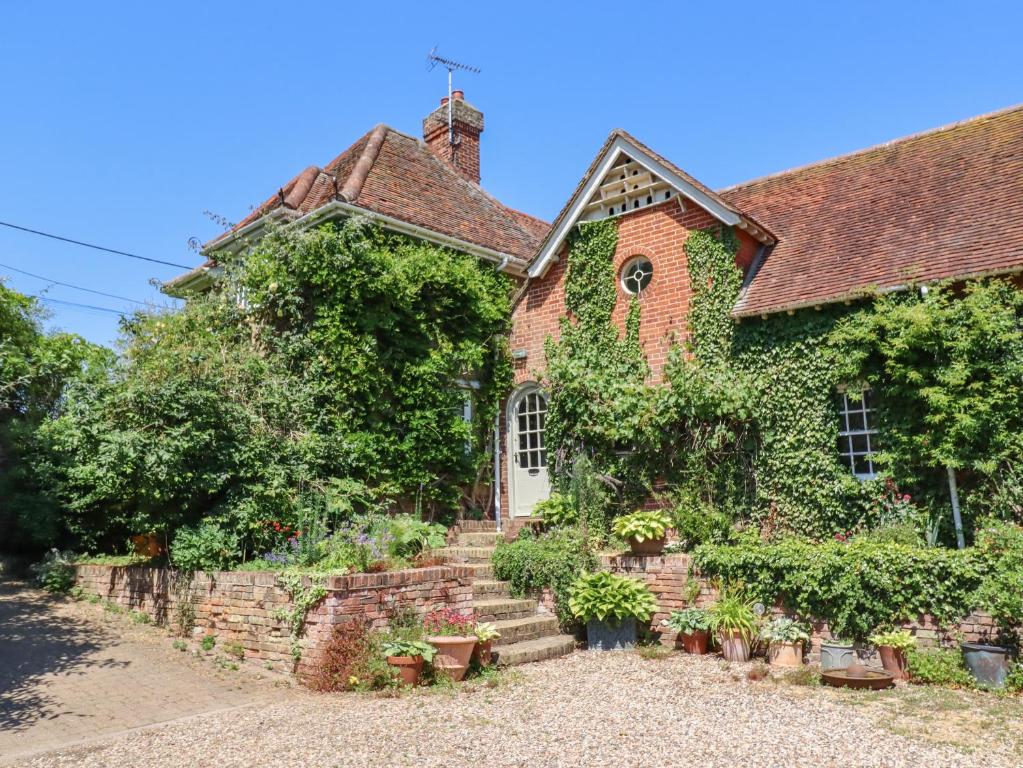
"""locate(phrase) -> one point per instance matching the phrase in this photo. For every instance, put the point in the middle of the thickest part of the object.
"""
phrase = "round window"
(637, 274)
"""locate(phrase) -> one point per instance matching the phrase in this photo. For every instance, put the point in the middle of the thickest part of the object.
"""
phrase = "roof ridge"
(349, 192)
(871, 148)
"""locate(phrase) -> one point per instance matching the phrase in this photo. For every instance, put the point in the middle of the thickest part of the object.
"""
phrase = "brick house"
(943, 204)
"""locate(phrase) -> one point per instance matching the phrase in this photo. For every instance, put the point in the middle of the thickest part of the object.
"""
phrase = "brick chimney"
(464, 154)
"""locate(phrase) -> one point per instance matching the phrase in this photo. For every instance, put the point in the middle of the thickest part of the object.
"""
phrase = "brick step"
(527, 651)
(479, 538)
(477, 570)
(467, 554)
(484, 589)
(503, 608)
(529, 628)
(477, 525)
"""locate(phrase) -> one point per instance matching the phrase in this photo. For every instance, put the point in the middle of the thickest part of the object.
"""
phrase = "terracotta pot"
(734, 646)
(409, 668)
(786, 654)
(695, 642)
(482, 653)
(453, 654)
(894, 662)
(647, 546)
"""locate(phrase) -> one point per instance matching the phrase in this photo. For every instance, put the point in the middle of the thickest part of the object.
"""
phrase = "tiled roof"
(943, 204)
(393, 174)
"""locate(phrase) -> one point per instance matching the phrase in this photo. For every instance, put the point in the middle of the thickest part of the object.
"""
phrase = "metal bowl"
(872, 680)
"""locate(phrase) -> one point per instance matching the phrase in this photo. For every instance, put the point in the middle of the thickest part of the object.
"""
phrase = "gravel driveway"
(588, 709)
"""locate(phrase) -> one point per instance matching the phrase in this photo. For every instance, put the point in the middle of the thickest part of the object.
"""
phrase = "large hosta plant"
(611, 598)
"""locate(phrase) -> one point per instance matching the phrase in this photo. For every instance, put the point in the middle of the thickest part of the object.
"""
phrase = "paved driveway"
(70, 673)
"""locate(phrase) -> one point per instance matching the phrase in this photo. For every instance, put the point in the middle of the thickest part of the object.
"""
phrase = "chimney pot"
(443, 101)
(458, 95)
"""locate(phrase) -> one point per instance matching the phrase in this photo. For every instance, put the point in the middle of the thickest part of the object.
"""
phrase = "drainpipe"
(953, 491)
(497, 468)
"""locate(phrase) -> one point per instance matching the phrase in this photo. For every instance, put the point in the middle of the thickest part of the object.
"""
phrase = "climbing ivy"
(600, 402)
(303, 599)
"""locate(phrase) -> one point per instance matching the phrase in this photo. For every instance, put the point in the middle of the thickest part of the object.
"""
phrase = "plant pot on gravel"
(988, 664)
(486, 634)
(733, 620)
(453, 634)
(786, 638)
(407, 656)
(692, 626)
(836, 654)
(611, 605)
(645, 530)
(892, 647)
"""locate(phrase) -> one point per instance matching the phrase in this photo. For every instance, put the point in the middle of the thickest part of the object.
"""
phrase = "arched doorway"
(528, 482)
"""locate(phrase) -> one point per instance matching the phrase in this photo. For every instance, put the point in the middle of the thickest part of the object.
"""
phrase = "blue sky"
(123, 123)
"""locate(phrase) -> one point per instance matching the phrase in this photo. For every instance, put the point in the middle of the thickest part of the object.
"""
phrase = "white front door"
(528, 451)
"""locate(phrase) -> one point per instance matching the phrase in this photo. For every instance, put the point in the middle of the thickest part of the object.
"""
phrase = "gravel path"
(589, 709)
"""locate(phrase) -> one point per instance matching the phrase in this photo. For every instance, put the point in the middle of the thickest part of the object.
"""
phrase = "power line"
(76, 304)
(90, 245)
(70, 285)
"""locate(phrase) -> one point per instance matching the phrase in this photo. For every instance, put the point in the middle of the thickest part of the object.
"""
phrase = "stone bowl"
(867, 679)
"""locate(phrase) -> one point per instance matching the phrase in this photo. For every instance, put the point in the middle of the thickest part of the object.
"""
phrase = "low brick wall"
(668, 577)
(239, 607)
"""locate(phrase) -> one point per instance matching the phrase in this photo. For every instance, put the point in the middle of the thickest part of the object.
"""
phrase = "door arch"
(528, 481)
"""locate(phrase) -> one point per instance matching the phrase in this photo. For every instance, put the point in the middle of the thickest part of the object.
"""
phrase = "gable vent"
(628, 186)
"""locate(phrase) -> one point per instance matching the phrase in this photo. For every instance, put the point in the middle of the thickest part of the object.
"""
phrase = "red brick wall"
(239, 607)
(658, 232)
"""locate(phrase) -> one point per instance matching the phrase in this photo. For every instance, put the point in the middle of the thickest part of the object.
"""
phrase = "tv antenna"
(432, 60)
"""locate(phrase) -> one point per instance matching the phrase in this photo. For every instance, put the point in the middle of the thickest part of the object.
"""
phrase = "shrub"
(609, 597)
(206, 547)
(939, 666)
(56, 572)
(208, 642)
(854, 587)
(450, 623)
(553, 560)
(351, 659)
(557, 511)
(642, 525)
(696, 525)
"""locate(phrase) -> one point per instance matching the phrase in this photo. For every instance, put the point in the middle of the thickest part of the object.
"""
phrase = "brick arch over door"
(528, 480)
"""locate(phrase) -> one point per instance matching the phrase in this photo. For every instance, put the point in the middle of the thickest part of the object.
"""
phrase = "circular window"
(637, 274)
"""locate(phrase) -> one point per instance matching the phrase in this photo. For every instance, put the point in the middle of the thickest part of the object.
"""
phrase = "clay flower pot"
(734, 646)
(482, 653)
(453, 654)
(409, 668)
(786, 654)
(647, 546)
(894, 662)
(695, 642)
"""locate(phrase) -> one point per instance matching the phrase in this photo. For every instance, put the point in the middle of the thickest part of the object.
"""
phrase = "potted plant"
(610, 605)
(453, 634)
(644, 530)
(785, 638)
(408, 657)
(486, 634)
(988, 664)
(693, 628)
(733, 621)
(836, 653)
(892, 648)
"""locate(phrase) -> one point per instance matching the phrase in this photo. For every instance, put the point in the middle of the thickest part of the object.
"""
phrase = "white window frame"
(625, 269)
(847, 454)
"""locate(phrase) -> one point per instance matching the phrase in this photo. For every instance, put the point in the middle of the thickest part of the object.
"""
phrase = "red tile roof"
(943, 204)
(396, 175)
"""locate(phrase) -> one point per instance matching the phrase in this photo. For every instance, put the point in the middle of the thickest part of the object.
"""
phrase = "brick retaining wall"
(238, 607)
(668, 576)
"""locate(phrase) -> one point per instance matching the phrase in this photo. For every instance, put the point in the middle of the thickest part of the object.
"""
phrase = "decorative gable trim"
(583, 206)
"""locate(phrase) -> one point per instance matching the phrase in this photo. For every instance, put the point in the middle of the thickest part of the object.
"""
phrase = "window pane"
(522, 442)
(856, 421)
(543, 458)
(532, 421)
(533, 442)
(860, 444)
(861, 465)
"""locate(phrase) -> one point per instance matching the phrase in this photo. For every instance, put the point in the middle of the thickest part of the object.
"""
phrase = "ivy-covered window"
(637, 274)
(857, 433)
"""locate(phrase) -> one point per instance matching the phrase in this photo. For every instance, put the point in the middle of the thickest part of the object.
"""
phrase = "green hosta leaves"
(610, 597)
(642, 525)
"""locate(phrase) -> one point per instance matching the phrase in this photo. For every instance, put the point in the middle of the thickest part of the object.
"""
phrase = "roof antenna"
(432, 60)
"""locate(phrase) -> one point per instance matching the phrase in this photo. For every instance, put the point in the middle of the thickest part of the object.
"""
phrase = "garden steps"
(528, 628)
(527, 651)
(526, 635)
(503, 608)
